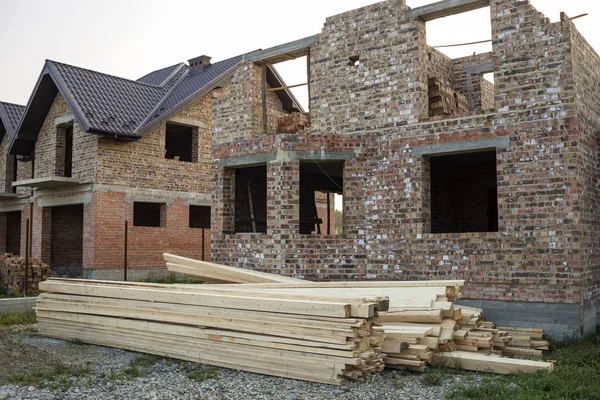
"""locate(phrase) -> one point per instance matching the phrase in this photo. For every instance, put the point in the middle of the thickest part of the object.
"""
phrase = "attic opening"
(464, 192)
(286, 97)
(64, 148)
(321, 194)
(455, 67)
(181, 143)
(250, 214)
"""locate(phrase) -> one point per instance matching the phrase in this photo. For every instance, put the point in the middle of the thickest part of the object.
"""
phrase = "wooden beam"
(286, 87)
(295, 49)
(445, 8)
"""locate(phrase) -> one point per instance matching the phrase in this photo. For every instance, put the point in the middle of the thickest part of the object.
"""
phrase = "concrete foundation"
(17, 306)
(559, 320)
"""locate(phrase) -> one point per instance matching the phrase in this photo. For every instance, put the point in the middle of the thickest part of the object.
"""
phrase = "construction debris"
(12, 274)
(318, 331)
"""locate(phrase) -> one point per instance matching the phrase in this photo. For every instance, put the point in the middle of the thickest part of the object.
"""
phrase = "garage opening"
(66, 240)
(321, 189)
(13, 232)
(464, 193)
(251, 199)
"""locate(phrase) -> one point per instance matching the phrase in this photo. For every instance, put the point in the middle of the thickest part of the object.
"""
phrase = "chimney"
(198, 64)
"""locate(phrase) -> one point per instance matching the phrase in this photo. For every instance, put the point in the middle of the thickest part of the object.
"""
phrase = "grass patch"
(136, 369)
(575, 377)
(194, 371)
(7, 320)
(172, 279)
(434, 376)
(76, 342)
(58, 378)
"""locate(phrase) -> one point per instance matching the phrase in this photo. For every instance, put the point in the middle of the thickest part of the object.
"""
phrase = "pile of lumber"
(293, 123)
(321, 338)
(12, 274)
(444, 101)
(319, 331)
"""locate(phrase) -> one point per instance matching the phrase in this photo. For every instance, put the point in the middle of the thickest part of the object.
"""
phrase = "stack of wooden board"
(422, 323)
(321, 338)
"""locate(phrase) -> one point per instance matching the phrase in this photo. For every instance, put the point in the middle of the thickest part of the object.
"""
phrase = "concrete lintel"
(79, 198)
(445, 8)
(499, 142)
(150, 193)
(196, 123)
(559, 320)
(50, 182)
(288, 51)
(14, 205)
(199, 202)
(64, 120)
(314, 155)
(247, 160)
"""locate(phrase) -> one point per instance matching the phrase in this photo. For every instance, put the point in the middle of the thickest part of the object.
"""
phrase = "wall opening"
(200, 217)
(13, 232)
(66, 240)
(69, 152)
(320, 182)
(181, 143)
(464, 192)
(251, 200)
(149, 214)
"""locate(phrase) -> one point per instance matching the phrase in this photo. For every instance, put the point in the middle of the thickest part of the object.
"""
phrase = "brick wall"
(6, 166)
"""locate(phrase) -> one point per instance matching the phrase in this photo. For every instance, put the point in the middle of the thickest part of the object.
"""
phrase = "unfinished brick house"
(443, 175)
(101, 152)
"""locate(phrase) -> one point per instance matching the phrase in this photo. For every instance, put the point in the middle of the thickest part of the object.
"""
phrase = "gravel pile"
(118, 374)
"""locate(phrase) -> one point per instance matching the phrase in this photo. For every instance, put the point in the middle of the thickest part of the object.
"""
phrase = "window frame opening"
(250, 196)
(199, 216)
(320, 179)
(463, 196)
(181, 142)
(141, 218)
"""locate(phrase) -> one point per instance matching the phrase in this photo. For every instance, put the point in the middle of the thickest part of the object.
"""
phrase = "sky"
(130, 38)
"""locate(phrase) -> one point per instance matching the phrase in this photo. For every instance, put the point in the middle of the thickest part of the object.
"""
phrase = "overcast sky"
(130, 38)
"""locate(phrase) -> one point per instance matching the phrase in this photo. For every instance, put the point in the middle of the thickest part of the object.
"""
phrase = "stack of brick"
(444, 101)
(12, 274)
(293, 123)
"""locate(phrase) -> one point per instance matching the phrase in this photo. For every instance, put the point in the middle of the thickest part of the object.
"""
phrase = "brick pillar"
(89, 242)
(283, 199)
(41, 237)
(223, 210)
(25, 214)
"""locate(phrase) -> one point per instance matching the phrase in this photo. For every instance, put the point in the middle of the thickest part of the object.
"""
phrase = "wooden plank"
(329, 309)
(243, 275)
(421, 316)
(296, 48)
(482, 363)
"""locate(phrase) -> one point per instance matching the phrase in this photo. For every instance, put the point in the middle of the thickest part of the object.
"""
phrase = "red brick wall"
(145, 244)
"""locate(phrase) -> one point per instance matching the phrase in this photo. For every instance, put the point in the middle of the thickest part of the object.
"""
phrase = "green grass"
(434, 376)
(58, 378)
(137, 368)
(172, 279)
(7, 320)
(576, 376)
(194, 371)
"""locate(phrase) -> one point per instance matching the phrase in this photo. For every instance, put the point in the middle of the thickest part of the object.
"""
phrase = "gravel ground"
(107, 373)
